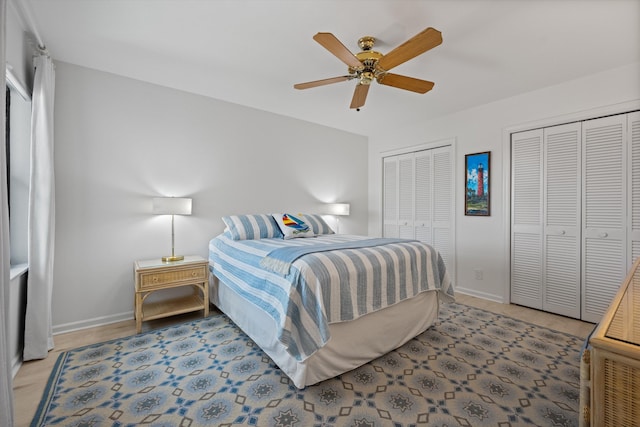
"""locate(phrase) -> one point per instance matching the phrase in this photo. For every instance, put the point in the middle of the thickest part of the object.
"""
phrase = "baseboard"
(128, 315)
(92, 323)
(483, 295)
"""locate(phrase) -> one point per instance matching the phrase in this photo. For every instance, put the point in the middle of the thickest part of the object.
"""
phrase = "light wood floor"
(29, 383)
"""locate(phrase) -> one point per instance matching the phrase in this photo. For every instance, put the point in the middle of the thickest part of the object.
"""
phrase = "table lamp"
(172, 206)
(338, 209)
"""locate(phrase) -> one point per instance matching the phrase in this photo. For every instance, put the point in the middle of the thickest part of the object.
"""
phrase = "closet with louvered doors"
(575, 212)
(417, 198)
(545, 219)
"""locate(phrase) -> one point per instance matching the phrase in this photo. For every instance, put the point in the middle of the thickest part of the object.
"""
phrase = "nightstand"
(154, 275)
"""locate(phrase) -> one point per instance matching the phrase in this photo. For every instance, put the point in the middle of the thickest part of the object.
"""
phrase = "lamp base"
(172, 258)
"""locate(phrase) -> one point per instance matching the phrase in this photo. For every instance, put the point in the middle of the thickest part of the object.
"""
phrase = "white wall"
(480, 242)
(119, 142)
(19, 48)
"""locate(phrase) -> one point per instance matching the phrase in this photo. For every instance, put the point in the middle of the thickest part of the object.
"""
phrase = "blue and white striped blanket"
(280, 260)
(328, 286)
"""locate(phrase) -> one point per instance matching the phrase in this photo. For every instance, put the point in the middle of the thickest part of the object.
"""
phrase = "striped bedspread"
(280, 260)
(327, 286)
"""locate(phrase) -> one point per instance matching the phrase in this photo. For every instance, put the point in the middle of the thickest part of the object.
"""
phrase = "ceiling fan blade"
(359, 96)
(406, 83)
(322, 82)
(335, 46)
(418, 44)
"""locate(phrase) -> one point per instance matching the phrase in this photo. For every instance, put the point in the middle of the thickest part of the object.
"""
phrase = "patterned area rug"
(471, 368)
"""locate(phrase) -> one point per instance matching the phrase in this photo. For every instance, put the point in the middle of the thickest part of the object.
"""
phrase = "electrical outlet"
(478, 273)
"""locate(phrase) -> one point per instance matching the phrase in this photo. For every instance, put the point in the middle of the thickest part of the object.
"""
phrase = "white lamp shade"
(172, 205)
(338, 209)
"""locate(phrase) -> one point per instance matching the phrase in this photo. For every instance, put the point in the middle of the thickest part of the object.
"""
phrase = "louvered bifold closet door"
(633, 123)
(390, 198)
(443, 205)
(562, 179)
(424, 196)
(406, 196)
(526, 218)
(604, 244)
(632, 332)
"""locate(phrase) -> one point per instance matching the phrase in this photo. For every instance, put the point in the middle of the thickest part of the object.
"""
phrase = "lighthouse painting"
(477, 167)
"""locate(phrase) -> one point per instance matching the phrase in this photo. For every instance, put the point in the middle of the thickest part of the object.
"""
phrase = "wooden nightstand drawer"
(158, 279)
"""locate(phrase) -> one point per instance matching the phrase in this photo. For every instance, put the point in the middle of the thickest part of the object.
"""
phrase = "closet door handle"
(603, 235)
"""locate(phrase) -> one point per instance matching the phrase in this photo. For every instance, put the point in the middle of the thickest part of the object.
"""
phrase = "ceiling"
(251, 52)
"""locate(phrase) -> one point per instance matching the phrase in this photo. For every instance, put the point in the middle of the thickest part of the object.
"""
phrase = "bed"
(320, 304)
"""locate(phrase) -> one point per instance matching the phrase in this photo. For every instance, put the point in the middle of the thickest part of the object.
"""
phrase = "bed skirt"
(352, 343)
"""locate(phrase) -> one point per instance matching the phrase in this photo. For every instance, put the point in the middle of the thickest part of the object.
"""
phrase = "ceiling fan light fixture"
(366, 77)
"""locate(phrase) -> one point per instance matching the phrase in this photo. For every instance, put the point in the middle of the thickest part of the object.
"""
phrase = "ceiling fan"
(369, 65)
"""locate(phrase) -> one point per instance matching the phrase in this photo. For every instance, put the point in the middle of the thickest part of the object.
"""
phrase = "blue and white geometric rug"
(471, 368)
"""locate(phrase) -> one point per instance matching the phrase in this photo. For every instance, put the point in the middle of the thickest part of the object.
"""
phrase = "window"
(18, 114)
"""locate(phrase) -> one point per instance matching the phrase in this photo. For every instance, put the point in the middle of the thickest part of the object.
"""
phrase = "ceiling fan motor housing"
(369, 59)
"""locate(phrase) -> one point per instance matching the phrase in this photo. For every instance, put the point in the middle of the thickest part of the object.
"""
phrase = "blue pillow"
(318, 224)
(250, 227)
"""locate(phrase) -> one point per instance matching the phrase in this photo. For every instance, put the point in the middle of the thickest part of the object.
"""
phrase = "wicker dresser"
(615, 359)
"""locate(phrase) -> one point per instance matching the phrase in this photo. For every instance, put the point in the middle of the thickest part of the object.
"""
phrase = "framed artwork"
(477, 169)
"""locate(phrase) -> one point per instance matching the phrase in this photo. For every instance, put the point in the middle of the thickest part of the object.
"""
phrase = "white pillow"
(293, 226)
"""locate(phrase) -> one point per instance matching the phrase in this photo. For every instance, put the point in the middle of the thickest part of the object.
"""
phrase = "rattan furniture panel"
(155, 275)
(615, 359)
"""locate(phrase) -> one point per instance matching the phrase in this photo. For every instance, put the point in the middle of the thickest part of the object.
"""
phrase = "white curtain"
(6, 386)
(38, 333)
